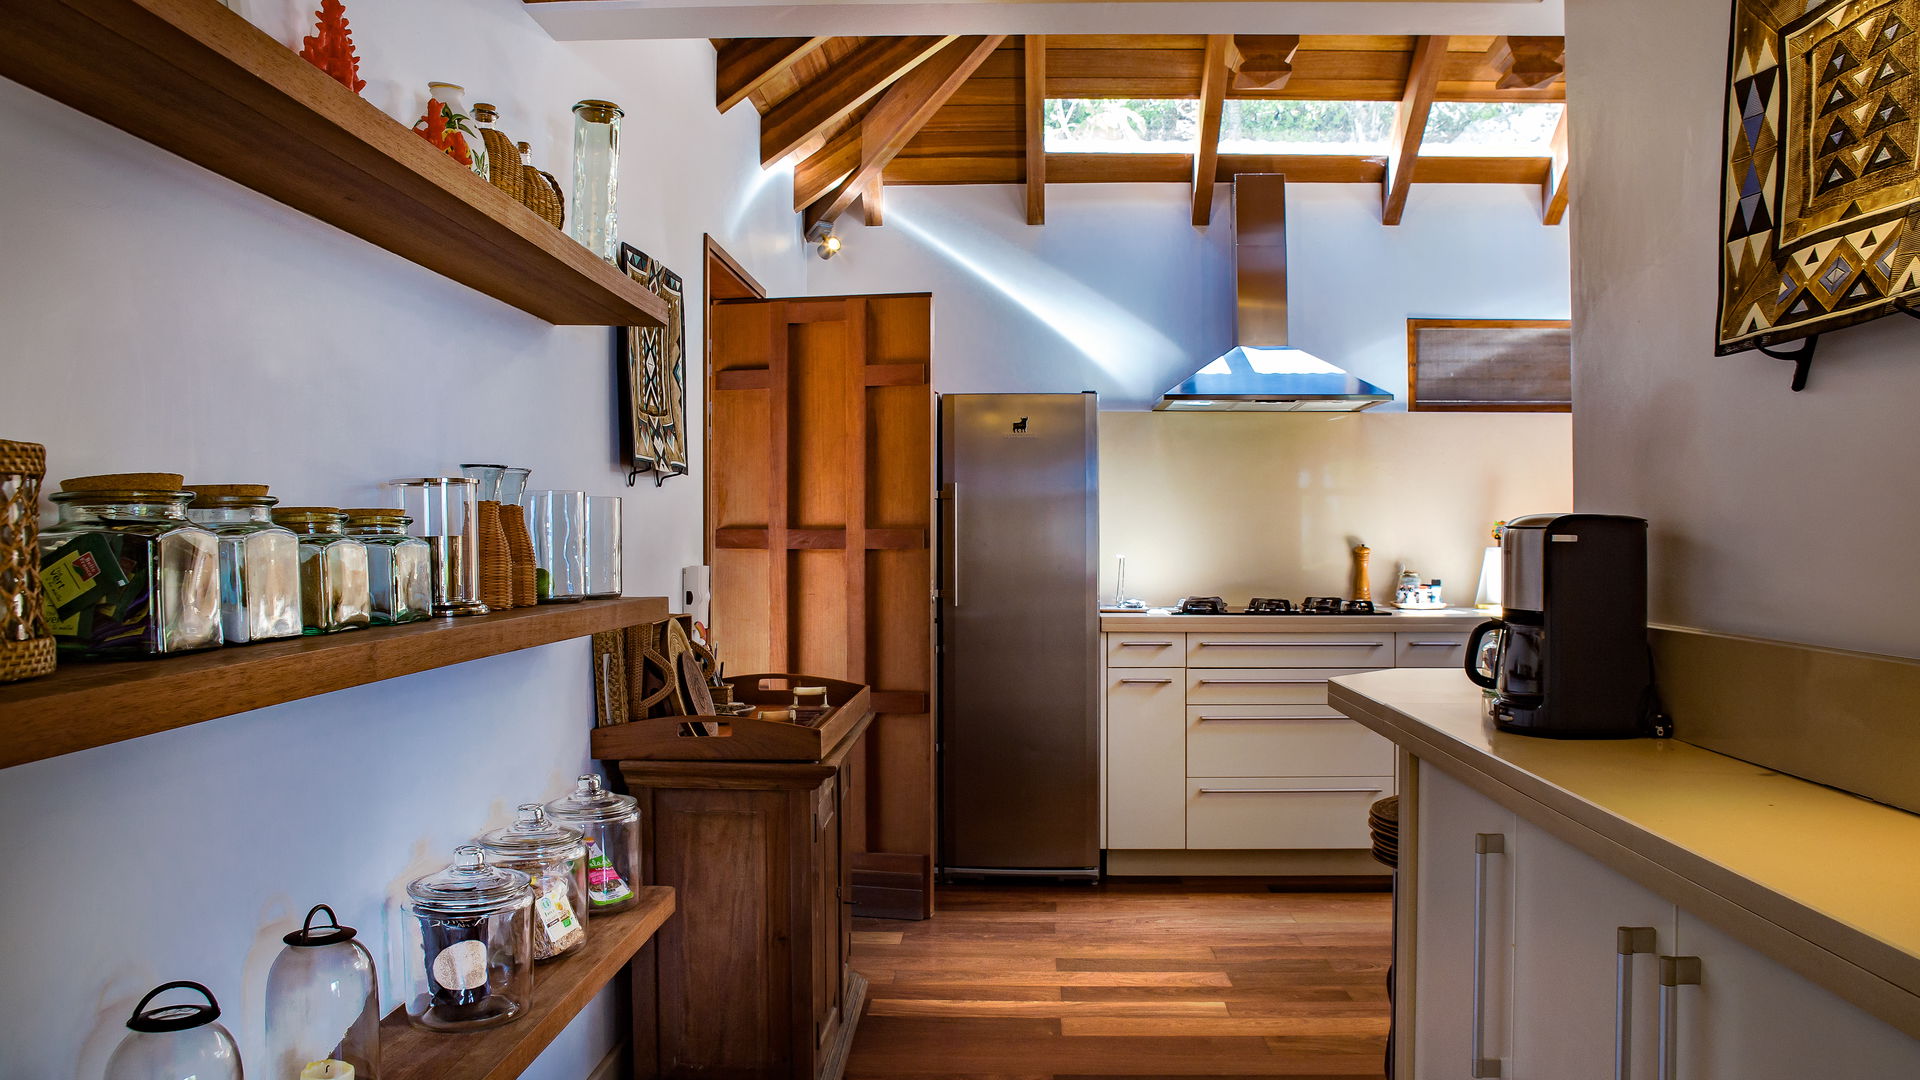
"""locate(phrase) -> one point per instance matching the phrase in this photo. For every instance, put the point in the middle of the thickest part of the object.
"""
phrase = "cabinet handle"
(1291, 644)
(1260, 682)
(1629, 942)
(953, 495)
(1144, 644)
(1328, 716)
(1436, 644)
(1148, 682)
(1484, 845)
(1289, 791)
(1675, 972)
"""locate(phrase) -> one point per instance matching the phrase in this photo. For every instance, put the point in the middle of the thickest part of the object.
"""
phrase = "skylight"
(1491, 129)
(1276, 126)
(1122, 125)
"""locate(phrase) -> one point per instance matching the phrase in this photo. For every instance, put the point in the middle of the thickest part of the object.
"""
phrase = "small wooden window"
(1489, 365)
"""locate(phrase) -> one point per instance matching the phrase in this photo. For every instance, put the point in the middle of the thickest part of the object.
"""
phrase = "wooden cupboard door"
(1451, 822)
(829, 945)
(1146, 759)
(1751, 1018)
(1568, 911)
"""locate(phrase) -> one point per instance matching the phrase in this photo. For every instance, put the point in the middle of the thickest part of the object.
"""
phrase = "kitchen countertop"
(1440, 619)
(1824, 882)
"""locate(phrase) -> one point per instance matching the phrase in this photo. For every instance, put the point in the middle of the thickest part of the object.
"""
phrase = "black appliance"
(1202, 605)
(1267, 605)
(1572, 659)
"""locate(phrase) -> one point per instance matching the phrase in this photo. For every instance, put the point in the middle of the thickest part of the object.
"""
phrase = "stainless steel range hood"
(1263, 373)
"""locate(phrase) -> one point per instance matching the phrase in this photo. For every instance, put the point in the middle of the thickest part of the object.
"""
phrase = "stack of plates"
(1384, 822)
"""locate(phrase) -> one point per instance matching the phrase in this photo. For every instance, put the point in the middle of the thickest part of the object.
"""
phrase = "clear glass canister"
(557, 521)
(596, 176)
(175, 1042)
(471, 937)
(333, 570)
(603, 546)
(611, 822)
(399, 566)
(259, 561)
(445, 511)
(555, 857)
(123, 573)
(323, 1004)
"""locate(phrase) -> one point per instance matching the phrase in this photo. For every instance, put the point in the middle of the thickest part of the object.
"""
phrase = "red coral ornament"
(330, 47)
(434, 128)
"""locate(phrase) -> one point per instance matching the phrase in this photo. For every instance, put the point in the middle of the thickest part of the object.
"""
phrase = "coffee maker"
(1572, 659)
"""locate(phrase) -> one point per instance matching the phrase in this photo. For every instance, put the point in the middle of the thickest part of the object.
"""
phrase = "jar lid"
(206, 495)
(470, 886)
(535, 836)
(164, 1018)
(482, 464)
(308, 515)
(484, 112)
(429, 481)
(310, 936)
(127, 481)
(384, 515)
(597, 111)
(592, 802)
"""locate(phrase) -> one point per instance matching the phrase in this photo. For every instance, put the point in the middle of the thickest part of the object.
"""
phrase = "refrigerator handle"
(953, 503)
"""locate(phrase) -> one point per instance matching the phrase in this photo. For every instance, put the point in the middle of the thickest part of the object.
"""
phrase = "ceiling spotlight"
(829, 246)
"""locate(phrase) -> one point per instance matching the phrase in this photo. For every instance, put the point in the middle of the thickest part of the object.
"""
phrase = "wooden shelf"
(560, 990)
(91, 704)
(199, 80)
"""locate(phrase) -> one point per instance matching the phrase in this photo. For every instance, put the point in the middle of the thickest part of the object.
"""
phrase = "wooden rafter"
(1553, 191)
(872, 202)
(1034, 124)
(1214, 75)
(898, 116)
(744, 65)
(849, 84)
(1410, 125)
(1527, 63)
(1261, 61)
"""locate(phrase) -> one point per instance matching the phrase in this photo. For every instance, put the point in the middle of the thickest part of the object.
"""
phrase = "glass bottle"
(596, 176)
(175, 1042)
(446, 514)
(471, 937)
(259, 561)
(323, 1003)
(557, 521)
(333, 570)
(124, 574)
(555, 857)
(399, 566)
(611, 822)
(603, 546)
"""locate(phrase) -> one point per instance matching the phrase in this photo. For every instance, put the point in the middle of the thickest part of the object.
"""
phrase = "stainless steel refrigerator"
(1019, 635)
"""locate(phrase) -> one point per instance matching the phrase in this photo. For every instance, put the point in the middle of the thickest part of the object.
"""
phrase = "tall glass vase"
(596, 176)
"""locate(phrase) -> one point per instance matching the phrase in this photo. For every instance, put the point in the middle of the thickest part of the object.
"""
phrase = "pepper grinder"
(1362, 588)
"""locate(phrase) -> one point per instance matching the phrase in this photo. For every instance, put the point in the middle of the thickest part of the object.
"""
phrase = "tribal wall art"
(1820, 216)
(653, 376)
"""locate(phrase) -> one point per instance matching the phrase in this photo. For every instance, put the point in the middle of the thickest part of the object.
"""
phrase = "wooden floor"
(1077, 982)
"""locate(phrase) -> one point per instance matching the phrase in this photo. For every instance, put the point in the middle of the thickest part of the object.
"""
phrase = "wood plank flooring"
(1074, 982)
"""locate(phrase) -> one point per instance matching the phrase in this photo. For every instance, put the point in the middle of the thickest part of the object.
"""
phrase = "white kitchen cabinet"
(1146, 650)
(1351, 650)
(1281, 740)
(1429, 648)
(1464, 891)
(1752, 1019)
(1146, 758)
(1287, 812)
(1260, 686)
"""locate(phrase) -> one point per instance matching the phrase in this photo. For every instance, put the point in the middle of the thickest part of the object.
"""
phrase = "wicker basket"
(524, 575)
(496, 575)
(26, 642)
(541, 192)
(503, 160)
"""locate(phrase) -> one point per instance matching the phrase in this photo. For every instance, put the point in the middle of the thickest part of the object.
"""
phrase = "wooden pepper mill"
(1362, 588)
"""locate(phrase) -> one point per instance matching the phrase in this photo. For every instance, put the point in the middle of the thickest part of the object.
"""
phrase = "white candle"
(329, 1069)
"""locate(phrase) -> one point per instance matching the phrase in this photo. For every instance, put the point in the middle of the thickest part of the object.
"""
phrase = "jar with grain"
(399, 566)
(259, 561)
(124, 573)
(333, 570)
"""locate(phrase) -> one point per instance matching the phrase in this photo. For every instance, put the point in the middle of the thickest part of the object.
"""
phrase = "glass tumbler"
(557, 521)
(446, 514)
(603, 545)
(596, 176)
(471, 941)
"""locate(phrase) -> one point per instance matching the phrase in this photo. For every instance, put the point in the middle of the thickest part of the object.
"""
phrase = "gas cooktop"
(1263, 605)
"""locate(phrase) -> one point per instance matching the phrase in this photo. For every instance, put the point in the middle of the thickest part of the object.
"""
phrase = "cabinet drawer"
(1281, 740)
(1261, 686)
(1286, 812)
(1360, 650)
(1427, 648)
(1146, 650)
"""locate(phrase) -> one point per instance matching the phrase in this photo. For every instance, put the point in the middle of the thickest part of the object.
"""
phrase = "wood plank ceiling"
(858, 113)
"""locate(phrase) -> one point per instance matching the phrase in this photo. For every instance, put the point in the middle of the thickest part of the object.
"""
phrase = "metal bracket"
(1801, 359)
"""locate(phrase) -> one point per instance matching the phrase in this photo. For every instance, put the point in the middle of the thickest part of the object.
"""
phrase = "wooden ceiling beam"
(1261, 61)
(872, 204)
(898, 116)
(1410, 125)
(852, 82)
(1527, 63)
(744, 65)
(1033, 118)
(1214, 76)
(1553, 191)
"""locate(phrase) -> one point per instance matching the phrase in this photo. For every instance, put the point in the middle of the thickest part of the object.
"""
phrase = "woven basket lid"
(126, 481)
(22, 458)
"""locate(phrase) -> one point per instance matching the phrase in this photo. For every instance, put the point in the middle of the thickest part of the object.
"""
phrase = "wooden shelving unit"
(91, 704)
(560, 990)
(192, 77)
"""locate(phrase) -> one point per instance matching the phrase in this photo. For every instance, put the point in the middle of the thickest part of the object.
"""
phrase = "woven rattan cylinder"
(503, 160)
(496, 575)
(26, 642)
(540, 191)
(526, 576)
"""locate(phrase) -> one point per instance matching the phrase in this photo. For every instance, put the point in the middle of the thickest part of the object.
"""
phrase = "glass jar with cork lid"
(399, 566)
(123, 571)
(333, 570)
(259, 561)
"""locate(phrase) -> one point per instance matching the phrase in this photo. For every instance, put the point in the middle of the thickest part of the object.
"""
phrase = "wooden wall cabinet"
(752, 979)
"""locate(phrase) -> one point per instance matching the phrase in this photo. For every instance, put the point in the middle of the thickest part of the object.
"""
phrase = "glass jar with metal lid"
(333, 570)
(399, 566)
(471, 944)
(259, 561)
(555, 857)
(611, 822)
(123, 572)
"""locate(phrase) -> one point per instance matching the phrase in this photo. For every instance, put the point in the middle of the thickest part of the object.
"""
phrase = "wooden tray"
(742, 738)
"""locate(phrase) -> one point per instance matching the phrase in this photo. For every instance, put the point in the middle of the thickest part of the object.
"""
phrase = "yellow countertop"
(1826, 882)
(1441, 620)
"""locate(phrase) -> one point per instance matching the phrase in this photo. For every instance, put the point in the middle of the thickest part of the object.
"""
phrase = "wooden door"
(819, 513)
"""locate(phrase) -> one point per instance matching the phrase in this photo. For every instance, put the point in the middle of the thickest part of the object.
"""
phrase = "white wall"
(159, 317)
(1776, 514)
(1119, 293)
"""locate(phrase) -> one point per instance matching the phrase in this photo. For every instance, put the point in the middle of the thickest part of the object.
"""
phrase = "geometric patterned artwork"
(1820, 217)
(653, 376)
